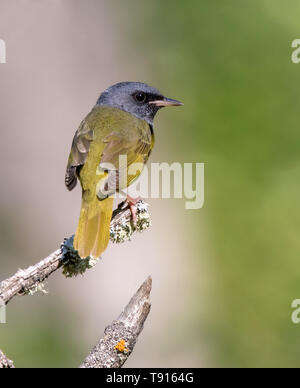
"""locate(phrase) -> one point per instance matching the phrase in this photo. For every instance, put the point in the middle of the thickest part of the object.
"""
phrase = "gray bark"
(124, 331)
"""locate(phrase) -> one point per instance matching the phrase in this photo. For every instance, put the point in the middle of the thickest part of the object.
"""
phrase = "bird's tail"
(92, 235)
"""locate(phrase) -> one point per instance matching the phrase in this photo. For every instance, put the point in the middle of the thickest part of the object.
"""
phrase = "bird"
(119, 125)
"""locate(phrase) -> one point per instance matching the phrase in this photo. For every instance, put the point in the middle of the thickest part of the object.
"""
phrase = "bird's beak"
(166, 102)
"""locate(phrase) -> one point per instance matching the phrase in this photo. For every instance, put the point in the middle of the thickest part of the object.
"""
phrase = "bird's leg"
(132, 206)
(131, 202)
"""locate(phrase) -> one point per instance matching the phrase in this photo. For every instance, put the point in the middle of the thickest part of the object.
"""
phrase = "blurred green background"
(223, 292)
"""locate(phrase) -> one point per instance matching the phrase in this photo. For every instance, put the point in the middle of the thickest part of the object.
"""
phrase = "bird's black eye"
(140, 97)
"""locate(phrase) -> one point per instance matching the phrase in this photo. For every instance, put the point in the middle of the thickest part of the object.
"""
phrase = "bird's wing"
(124, 135)
(79, 152)
(136, 148)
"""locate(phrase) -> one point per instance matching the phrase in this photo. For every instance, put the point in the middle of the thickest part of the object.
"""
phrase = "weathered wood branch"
(30, 279)
(26, 279)
(5, 363)
(120, 337)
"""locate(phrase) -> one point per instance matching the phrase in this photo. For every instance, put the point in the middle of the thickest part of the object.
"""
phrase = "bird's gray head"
(136, 98)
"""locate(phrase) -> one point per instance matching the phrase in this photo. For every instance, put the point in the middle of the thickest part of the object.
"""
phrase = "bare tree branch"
(24, 280)
(120, 337)
(5, 363)
(31, 279)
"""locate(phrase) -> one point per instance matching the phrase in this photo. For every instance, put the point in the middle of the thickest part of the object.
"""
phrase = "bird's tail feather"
(92, 235)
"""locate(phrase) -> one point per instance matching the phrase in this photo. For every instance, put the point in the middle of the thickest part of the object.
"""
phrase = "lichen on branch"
(27, 281)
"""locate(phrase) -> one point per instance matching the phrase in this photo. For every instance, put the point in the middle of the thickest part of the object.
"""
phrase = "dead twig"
(120, 337)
